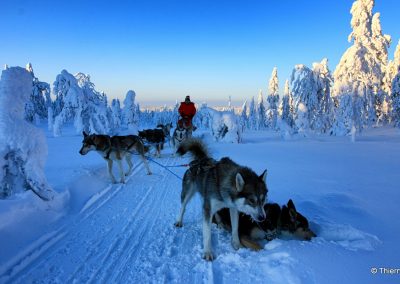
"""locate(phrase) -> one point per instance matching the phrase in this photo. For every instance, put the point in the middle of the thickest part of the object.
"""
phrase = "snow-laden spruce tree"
(23, 147)
(359, 73)
(381, 45)
(324, 116)
(273, 100)
(243, 120)
(305, 97)
(286, 107)
(80, 103)
(68, 102)
(395, 96)
(392, 70)
(252, 118)
(129, 113)
(116, 116)
(36, 108)
(93, 111)
(261, 112)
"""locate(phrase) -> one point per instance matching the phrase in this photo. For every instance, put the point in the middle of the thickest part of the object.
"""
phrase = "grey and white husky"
(222, 184)
(115, 148)
(180, 134)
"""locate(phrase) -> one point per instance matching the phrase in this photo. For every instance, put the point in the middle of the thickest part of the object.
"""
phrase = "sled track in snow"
(126, 235)
(36, 254)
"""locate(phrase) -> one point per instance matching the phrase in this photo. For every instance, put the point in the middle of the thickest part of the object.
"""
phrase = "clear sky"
(167, 49)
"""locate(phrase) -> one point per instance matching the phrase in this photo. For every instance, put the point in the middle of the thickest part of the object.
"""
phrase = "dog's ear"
(239, 182)
(290, 205)
(263, 176)
(85, 134)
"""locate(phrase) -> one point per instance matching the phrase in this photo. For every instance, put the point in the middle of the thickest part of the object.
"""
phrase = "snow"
(100, 232)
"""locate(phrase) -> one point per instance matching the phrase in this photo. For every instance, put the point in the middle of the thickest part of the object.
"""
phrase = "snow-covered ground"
(96, 232)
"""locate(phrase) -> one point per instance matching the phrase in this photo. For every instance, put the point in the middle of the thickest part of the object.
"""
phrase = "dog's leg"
(187, 194)
(110, 163)
(128, 159)
(121, 170)
(235, 228)
(207, 233)
(145, 164)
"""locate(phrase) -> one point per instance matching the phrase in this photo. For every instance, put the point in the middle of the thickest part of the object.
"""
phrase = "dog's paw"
(178, 224)
(236, 244)
(208, 256)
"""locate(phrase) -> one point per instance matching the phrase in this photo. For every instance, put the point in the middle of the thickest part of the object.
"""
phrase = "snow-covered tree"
(252, 118)
(261, 112)
(243, 120)
(130, 115)
(116, 115)
(381, 45)
(77, 100)
(273, 99)
(225, 126)
(286, 106)
(23, 147)
(395, 95)
(69, 99)
(323, 117)
(392, 70)
(39, 101)
(305, 97)
(359, 73)
(93, 109)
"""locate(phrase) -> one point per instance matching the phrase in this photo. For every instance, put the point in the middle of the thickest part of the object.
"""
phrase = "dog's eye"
(252, 201)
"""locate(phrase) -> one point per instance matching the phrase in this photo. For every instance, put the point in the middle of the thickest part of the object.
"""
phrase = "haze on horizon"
(164, 51)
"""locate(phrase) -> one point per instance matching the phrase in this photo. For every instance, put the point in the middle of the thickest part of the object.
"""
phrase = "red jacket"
(187, 110)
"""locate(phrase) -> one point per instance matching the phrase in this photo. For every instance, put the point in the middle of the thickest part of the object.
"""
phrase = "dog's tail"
(194, 146)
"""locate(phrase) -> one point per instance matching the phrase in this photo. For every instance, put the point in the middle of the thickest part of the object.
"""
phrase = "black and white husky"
(222, 184)
(115, 148)
(180, 134)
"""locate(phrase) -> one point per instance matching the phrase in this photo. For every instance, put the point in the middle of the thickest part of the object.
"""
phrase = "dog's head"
(251, 193)
(88, 143)
(295, 223)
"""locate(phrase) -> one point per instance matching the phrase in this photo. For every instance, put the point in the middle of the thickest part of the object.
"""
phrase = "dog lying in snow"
(280, 221)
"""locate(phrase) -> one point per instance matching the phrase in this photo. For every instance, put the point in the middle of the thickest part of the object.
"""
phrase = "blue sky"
(165, 50)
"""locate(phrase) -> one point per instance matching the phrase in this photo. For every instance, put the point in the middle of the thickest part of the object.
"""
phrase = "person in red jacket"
(186, 110)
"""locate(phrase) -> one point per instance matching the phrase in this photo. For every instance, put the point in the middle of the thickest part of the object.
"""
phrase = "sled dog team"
(234, 197)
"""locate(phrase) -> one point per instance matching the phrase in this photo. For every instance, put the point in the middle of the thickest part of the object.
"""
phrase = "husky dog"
(222, 184)
(114, 149)
(180, 134)
(279, 222)
(166, 128)
(155, 137)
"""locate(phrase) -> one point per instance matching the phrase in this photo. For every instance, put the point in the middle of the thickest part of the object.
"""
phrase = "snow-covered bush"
(224, 126)
(23, 147)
